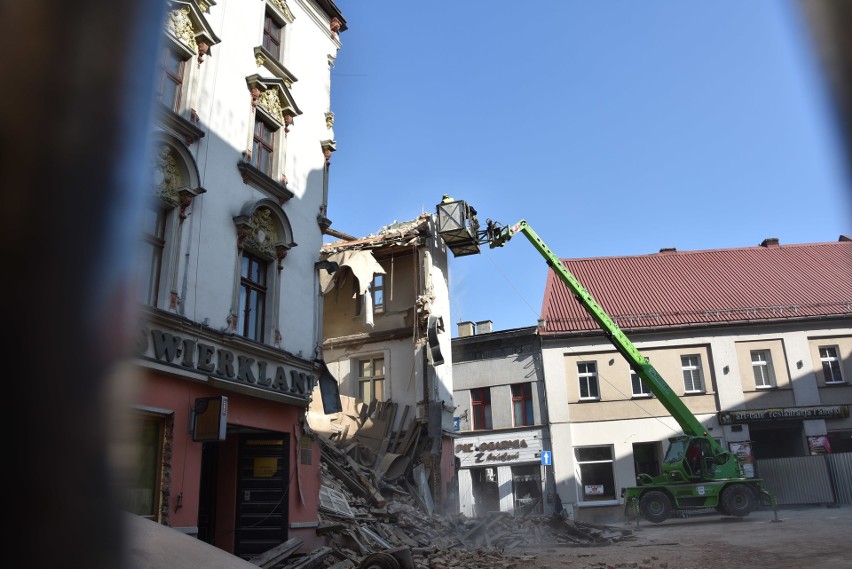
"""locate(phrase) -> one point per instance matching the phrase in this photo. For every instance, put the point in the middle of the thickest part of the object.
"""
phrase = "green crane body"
(712, 477)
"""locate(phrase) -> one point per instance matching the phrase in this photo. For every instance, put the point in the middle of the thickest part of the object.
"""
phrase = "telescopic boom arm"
(688, 422)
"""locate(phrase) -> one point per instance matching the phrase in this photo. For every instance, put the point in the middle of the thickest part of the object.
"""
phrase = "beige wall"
(616, 389)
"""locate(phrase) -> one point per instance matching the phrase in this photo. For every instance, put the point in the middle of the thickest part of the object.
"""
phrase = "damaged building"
(387, 343)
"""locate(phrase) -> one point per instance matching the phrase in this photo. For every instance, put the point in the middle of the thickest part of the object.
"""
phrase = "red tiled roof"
(697, 288)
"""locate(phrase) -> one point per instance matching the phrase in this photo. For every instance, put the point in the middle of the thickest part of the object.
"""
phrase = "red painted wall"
(175, 394)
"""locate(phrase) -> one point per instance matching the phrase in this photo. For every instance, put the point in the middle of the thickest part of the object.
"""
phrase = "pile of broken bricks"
(374, 521)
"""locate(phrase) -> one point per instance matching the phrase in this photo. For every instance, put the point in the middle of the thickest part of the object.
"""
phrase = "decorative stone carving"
(285, 10)
(268, 101)
(329, 120)
(185, 201)
(203, 49)
(181, 27)
(335, 25)
(260, 234)
(168, 178)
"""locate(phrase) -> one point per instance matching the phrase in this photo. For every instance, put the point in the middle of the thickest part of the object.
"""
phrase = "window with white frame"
(761, 365)
(640, 388)
(692, 377)
(829, 357)
(587, 373)
(371, 379)
(595, 473)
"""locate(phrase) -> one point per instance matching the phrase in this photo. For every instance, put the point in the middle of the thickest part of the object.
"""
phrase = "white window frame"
(693, 378)
(586, 376)
(635, 380)
(829, 357)
(761, 365)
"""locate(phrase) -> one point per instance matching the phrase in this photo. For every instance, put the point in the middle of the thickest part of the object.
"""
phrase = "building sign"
(496, 449)
(195, 355)
(783, 414)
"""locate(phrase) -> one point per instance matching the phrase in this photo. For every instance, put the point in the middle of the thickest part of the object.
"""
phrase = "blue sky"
(612, 127)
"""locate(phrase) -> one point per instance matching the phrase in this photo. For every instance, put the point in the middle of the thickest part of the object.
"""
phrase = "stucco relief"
(168, 178)
(282, 6)
(181, 27)
(270, 102)
(261, 234)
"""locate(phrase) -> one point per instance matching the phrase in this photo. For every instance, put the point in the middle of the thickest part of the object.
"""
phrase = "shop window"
(596, 474)
(526, 489)
(486, 490)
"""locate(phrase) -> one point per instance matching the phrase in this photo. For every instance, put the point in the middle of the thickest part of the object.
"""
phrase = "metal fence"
(820, 479)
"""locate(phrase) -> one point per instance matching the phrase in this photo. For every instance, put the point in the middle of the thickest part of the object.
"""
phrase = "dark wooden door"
(262, 499)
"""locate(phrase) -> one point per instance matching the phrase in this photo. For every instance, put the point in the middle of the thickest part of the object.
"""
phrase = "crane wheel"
(738, 500)
(655, 506)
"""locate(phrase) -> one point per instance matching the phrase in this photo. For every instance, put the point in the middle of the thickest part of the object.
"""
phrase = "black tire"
(379, 561)
(738, 500)
(655, 506)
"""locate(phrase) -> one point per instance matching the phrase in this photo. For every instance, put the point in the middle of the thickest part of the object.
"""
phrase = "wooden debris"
(277, 554)
(385, 518)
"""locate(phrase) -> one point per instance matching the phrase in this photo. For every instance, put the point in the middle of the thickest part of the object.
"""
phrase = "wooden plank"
(395, 435)
(277, 554)
(315, 559)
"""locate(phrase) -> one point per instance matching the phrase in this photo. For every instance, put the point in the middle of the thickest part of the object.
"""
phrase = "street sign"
(546, 458)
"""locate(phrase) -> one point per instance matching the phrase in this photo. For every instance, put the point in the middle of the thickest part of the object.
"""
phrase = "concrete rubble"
(375, 515)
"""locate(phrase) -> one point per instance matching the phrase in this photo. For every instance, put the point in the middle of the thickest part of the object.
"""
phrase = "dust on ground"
(815, 537)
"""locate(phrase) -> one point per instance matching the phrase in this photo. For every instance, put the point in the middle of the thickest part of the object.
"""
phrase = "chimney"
(769, 242)
(466, 329)
(668, 250)
(484, 326)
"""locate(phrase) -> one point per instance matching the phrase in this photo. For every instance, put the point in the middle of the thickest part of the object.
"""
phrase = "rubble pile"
(376, 514)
